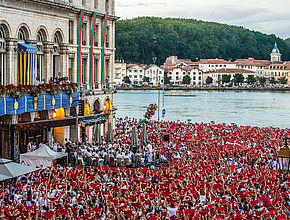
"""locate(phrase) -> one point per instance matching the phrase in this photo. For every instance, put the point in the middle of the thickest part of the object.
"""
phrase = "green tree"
(186, 80)
(209, 80)
(283, 80)
(251, 79)
(238, 79)
(226, 78)
(261, 80)
(146, 79)
(127, 80)
(189, 38)
(272, 80)
(166, 79)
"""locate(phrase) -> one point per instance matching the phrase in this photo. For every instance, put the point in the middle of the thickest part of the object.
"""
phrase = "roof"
(232, 71)
(216, 62)
(129, 66)
(252, 62)
(193, 63)
(278, 66)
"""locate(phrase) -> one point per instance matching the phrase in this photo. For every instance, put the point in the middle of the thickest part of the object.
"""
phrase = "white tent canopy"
(42, 157)
(9, 169)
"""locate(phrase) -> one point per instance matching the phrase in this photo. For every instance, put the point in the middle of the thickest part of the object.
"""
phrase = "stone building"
(62, 30)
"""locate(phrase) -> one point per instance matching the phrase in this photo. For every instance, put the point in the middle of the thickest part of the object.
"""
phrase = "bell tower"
(275, 55)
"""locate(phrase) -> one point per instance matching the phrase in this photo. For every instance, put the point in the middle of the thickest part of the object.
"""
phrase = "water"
(261, 109)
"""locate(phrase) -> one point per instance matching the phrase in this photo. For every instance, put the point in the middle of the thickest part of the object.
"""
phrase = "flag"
(233, 143)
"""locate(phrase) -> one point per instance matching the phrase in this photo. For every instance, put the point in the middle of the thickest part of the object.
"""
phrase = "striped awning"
(27, 48)
(26, 64)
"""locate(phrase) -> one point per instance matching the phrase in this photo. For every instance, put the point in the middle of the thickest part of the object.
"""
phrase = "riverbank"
(220, 89)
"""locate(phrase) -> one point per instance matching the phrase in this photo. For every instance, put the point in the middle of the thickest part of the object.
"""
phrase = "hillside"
(189, 38)
(288, 42)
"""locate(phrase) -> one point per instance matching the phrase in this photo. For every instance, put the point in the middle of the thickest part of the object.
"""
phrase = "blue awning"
(27, 48)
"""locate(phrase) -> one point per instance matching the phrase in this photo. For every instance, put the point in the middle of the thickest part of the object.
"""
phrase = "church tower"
(275, 55)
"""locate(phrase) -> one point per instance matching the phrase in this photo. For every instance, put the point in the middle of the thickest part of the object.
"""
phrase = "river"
(261, 109)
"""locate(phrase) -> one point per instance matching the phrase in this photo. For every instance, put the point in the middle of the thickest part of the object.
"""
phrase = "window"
(22, 34)
(70, 68)
(135, 71)
(177, 73)
(96, 4)
(194, 78)
(84, 70)
(199, 78)
(56, 56)
(84, 34)
(140, 77)
(71, 32)
(135, 77)
(84, 2)
(130, 76)
(39, 57)
(140, 71)
(107, 37)
(2, 56)
(96, 68)
(96, 39)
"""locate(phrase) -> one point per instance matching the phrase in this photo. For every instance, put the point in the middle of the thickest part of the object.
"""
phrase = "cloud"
(260, 15)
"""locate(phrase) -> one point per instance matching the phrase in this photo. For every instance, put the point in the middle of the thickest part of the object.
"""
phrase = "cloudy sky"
(267, 16)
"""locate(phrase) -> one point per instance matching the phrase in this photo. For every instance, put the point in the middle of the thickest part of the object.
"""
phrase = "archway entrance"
(97, 107)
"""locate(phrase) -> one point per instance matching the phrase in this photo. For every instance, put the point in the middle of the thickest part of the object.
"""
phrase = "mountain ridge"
(139, 39)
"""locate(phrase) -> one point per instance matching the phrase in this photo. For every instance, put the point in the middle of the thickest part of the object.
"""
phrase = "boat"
(181, 95)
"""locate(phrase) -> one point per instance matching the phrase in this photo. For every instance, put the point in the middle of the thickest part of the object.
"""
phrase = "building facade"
(278, 71)
(155, 74)
(251, 64)
(218, 74)
(75, 41)
(120, 72)
(135, 73)
(216, 64)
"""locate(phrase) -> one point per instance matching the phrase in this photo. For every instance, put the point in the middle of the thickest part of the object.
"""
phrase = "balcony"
(16, 100)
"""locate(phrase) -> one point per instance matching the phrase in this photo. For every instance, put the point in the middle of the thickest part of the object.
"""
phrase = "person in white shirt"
(171, 211)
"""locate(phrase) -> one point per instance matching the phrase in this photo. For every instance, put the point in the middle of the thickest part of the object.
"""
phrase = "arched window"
(56, 55)
(2, 55)
(40, 37)
(22, 34)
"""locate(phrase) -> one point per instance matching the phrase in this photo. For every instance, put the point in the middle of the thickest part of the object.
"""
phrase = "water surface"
(243, 108)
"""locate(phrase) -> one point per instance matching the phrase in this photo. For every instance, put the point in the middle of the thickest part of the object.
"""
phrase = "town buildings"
(74, 40)
(155, 74)
(218, 74)
(120, 72)
(135, 73)
(278, 71)
(251, 64)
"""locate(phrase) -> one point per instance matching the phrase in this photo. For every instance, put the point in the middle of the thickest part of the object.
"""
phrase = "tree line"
(140, 39)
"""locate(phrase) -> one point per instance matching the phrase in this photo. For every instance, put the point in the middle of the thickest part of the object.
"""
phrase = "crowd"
(215, 171)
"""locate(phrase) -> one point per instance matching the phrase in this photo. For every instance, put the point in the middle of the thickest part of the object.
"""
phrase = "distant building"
(276, 55)
(217, 75)
(257, 66)
(216, 64)
(278, 71)
(120, 72)
(135, 73)
(173, 60)
(155, 74)
(176, 74)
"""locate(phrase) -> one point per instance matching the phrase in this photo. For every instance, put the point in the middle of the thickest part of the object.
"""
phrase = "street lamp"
(284, 157)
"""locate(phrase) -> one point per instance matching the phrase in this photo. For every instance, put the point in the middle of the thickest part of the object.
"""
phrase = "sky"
(267, 16)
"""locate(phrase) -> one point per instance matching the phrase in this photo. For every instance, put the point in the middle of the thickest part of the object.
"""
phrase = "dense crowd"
(215, 171)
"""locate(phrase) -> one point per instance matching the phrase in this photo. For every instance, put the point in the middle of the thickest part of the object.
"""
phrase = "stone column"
(48, 62)
(11, 62)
